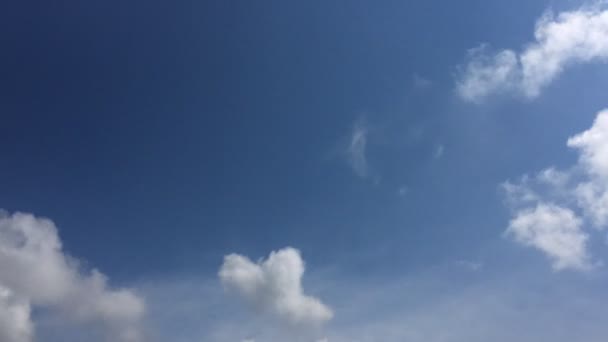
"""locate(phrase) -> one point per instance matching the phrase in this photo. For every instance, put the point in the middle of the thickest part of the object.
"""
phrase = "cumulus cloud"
(553, 207)
(592, 194)
(593, 145)
(486, 74)
(572, 37)
(35, 269)
(274, 285)
(554, 230)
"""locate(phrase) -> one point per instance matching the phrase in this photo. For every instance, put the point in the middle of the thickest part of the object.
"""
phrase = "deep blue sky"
(160, 136)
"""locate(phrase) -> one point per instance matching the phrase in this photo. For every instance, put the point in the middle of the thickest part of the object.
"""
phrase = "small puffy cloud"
(15, 321)
(554, 230)
(274, 285)
(34, 268)
(579, 36)
(554, 207)
(486, 74)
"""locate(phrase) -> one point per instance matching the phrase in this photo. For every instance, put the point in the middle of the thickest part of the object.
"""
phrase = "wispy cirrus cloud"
(356, 151)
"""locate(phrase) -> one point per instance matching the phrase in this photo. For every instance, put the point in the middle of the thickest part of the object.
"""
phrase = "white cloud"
(579, 36)
(485, 74)
(554, 206)
(593, 146)
(554, 230)
(15, 320)
(592, 194)
(274, 285)
(34, 267)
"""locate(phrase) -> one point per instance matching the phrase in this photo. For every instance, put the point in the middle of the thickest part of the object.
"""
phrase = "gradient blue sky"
(161, 136)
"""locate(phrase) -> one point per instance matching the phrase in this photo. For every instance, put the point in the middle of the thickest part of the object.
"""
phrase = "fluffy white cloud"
(485, 74)
(554, 206)
(275, 286)
(34, 267)
(554, 230)
(593, 146)
(579, 36)
(15, 320)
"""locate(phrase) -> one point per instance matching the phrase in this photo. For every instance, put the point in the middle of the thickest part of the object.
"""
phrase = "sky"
(314, 171)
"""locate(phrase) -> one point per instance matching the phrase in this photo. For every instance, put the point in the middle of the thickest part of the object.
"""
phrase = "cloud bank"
(36, 272)
(274, 285)
(573, 37)
(554, 208)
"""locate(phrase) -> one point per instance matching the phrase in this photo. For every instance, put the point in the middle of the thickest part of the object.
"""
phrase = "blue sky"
(436, 168)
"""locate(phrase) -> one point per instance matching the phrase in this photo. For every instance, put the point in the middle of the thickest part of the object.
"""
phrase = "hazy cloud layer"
(441, 303)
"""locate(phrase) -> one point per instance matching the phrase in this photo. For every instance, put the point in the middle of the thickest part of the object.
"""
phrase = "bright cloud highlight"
(34, 270)
(553, 207)
(573, 37)
(274, 285)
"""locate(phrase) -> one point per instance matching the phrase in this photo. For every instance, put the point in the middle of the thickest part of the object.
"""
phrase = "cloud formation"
(274, 285)
(554, 230)
(553, 207)
(34, 270)
(572, 37)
